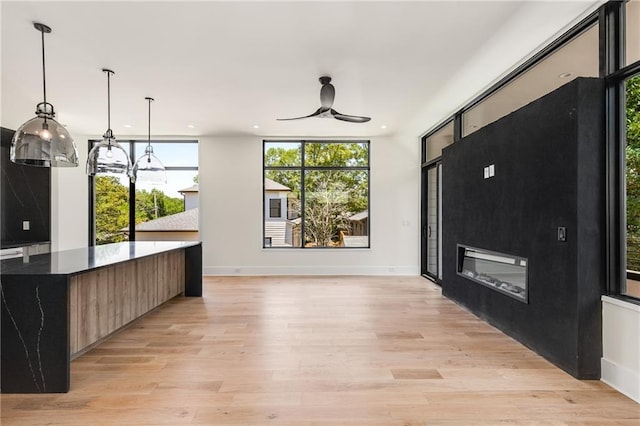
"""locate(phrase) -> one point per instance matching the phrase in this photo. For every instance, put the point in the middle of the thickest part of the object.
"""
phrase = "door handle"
(429, 236)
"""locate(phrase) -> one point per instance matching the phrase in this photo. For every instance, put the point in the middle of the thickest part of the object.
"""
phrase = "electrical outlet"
(26, 225)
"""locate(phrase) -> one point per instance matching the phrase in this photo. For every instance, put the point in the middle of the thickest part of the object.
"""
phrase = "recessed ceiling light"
(128, 126)
(564, 75)
(191, 126)
(255, 126)
(384, 126)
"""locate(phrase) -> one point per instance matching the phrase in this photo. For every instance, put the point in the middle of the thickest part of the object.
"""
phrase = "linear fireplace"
(501, 272)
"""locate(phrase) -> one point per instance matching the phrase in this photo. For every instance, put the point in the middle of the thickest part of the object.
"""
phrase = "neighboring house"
(358, 231)
(190, 197)
(359, 223)
(181, 226)
(278, 229)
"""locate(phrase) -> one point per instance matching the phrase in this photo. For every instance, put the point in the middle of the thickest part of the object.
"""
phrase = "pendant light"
(42, 141)
(107, 156)
(148, 168)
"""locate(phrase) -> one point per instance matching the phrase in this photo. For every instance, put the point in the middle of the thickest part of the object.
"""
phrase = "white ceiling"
(224, 67)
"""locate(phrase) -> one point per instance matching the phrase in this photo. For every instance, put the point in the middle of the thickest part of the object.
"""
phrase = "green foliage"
(279, 156)
(632, 152)
(154, 204)
(112, 208)
(335, 154)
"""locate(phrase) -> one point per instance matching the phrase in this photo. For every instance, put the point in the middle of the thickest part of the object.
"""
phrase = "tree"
(325, 211)
(112, 209)
(154, 204)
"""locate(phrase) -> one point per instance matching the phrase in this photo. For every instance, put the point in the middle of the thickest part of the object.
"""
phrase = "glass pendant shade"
(42, 141)
(149, 169)
(107, 156)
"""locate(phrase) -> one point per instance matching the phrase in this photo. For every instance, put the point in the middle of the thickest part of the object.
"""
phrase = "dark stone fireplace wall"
(549, 173)
(25, 195)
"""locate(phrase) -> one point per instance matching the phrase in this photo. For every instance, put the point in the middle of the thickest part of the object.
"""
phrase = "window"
(436, 142)
(275, 207)
(577, 58)
(110, 207)
(121, 211)
(632, 177)
(326, 188)
(632, 28)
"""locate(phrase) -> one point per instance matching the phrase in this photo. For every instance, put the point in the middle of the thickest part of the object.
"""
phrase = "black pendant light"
(42, 141)
(149, 169)
(107, 156)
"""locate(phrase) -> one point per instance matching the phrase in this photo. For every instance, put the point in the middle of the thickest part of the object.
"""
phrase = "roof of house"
(360, 216)
(192, 188)
(183, 221)
(270, 185)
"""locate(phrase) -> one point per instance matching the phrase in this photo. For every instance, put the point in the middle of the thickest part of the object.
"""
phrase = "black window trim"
(132, 185)
(302, 168)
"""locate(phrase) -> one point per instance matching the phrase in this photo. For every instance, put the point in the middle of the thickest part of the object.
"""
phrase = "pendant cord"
(149, 133)
(108, 100)
(44, 76)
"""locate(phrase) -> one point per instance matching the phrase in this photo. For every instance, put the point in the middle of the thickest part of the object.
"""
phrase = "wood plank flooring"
(317, 351)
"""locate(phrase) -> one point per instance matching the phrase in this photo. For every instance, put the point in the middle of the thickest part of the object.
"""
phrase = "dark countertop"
(69, 262)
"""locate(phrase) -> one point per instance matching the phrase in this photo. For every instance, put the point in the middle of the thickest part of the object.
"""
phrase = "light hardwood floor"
(317, 351)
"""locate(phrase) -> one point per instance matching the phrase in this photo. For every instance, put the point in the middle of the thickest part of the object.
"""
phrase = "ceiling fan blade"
(327, 95)
(349, 118)
(318, 112)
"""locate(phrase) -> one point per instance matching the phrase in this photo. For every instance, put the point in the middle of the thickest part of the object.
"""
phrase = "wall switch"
(26, 225)
(489, 171)
(562, 234)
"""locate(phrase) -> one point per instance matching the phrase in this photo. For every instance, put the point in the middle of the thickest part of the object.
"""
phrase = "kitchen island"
(58, 305)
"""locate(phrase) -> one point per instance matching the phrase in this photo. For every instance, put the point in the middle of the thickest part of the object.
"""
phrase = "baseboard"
(310, 270)
(622, 379)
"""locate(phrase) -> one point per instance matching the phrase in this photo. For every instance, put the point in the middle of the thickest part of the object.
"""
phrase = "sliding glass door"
(432, 221)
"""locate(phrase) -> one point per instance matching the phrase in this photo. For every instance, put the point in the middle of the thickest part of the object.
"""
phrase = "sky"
(180, 154)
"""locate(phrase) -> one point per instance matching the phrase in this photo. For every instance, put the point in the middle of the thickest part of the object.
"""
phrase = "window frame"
(132, 185)
(302, 168)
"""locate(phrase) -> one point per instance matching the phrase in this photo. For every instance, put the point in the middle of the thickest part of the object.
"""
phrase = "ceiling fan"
(327, 94)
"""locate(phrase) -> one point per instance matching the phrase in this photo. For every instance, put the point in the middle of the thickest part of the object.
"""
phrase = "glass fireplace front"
(501, 272)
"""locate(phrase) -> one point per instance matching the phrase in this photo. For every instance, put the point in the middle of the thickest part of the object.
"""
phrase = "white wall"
(621, 346)
(70, 202)
(232, 236)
